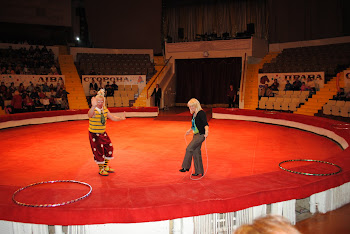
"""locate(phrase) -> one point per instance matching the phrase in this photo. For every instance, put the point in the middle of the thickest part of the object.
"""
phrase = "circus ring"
(210, 214)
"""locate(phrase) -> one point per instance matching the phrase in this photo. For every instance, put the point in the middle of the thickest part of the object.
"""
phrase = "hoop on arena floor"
(55, 204)
(306, 173)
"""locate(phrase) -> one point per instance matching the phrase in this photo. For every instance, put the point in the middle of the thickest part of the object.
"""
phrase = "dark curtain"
(213, 16)
(207, 80)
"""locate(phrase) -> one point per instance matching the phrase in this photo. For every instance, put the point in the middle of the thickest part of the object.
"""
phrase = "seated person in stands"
(275, 85)
(24, 94)
(92, 92)
(18, 70)
(64, 103)
(21, 88)
(12, 87)
(58, 86)
(59, 93)
(93, 85)
(340, 95)
(2, 100)
(42, 95)
(311, 85)
(8, 95)
(3, 88)
(38, 88)
(53, 70)
(12, 71)
(266, 91)
(26, 70)
(35, 97)
(3, 70)
(303, 87)
(347, 96)
(51, 87)
(28, 103)
(44, 100)
(45, 87)
(288, 86)
(92, 72)
(109, 90)
(16, 102)
(296, 84)
(114, 86)
(52, 99)
(30, 88)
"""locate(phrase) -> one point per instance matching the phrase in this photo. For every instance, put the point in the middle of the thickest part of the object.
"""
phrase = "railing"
(158, 75)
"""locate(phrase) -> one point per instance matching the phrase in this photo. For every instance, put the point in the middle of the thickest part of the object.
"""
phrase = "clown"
(101, 145)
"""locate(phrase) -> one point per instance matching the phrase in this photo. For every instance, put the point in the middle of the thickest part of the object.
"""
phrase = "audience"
(275, 85)
(114, 86)
(266, 91)
(303, 87)
(33, 97)
(296, 84)
(311, 85)
(93, 85)
(109, 90)
(28, 103)
(28, 62)
(288, 86)
(16, 102)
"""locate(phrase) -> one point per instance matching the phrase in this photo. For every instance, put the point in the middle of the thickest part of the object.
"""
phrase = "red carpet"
(147, 186)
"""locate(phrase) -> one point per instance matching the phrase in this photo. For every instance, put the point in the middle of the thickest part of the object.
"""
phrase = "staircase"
(76, 96)
(141, 101)
(251, 90)
(314, 104)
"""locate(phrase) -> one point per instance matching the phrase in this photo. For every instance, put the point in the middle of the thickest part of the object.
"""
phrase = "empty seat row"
(292, 92)
(124, 93)
(337, 108)
(279, 103)
(117, 101)
(128, 87)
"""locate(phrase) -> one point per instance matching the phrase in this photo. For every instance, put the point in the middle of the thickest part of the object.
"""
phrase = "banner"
(139, 80)
(35, 79)
(268, 78)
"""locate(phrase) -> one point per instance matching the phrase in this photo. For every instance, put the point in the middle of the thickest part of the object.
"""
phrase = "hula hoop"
(341, 126)
(306, 173)
(55, 204)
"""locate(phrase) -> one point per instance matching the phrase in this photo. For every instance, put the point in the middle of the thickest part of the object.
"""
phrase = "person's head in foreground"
(270, 224)
(194, 105)
(100, 98)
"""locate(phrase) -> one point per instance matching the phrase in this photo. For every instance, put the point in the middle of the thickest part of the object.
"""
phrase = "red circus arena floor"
(242, 157)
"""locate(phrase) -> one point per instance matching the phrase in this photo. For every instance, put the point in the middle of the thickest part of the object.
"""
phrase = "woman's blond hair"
(194, 102)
